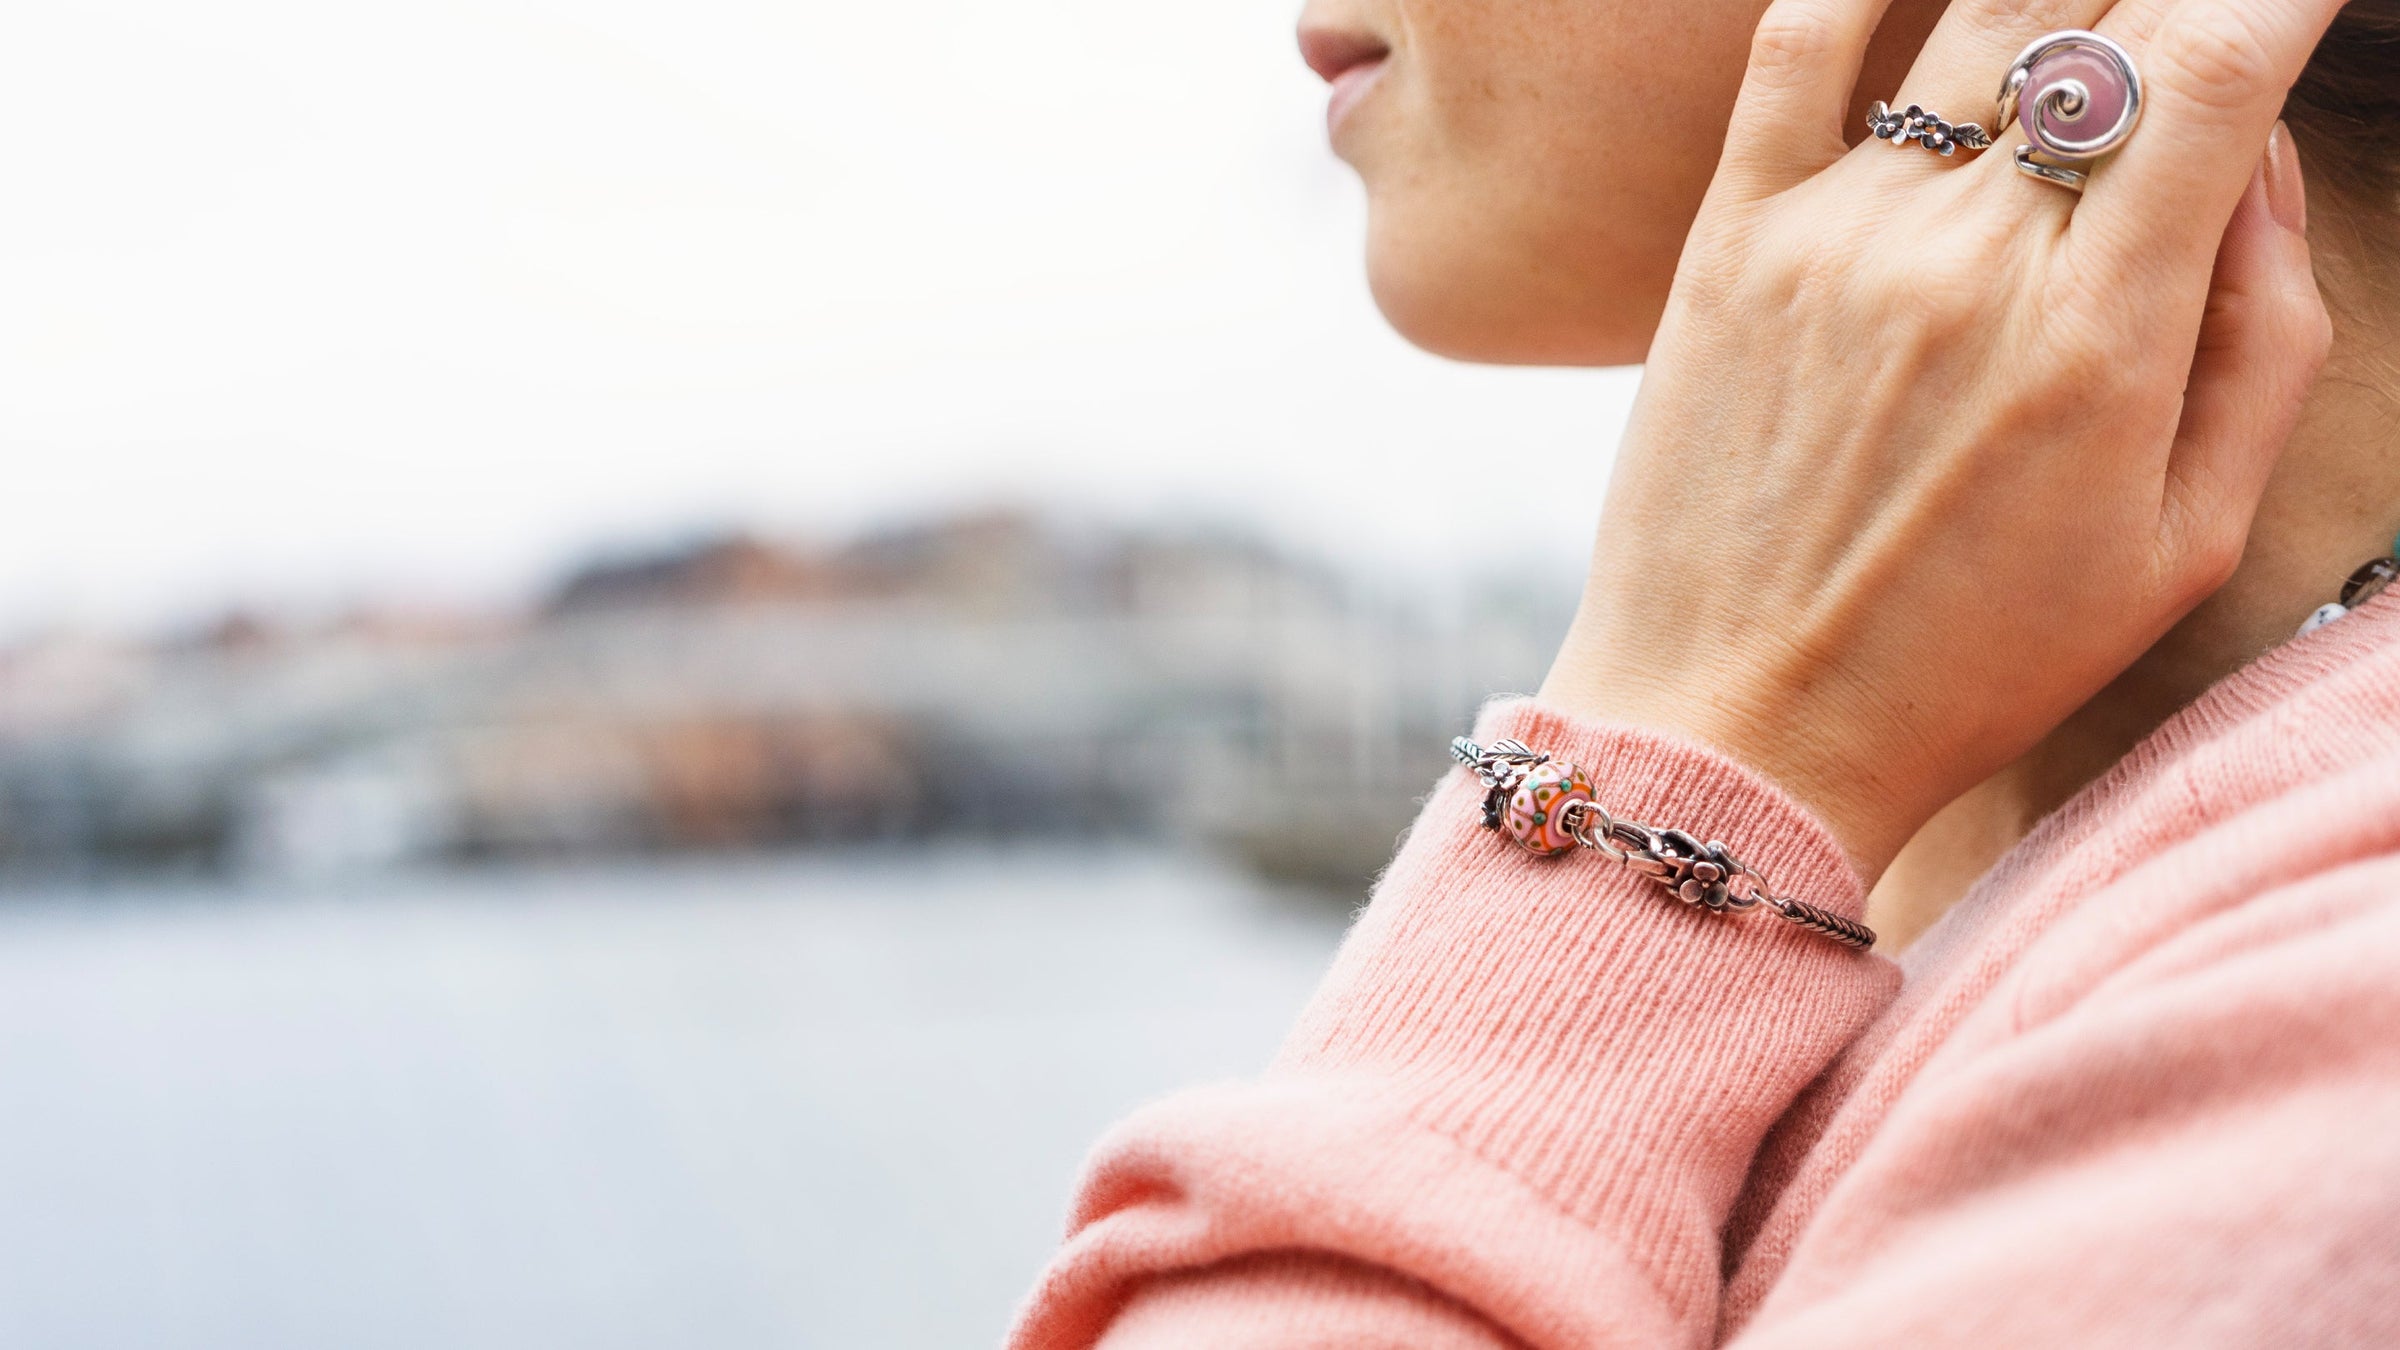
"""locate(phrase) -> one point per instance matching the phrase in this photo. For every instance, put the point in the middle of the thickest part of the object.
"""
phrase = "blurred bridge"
(730, 697)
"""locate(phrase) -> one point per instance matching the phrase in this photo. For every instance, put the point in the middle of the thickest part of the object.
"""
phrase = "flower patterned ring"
(1914, 123)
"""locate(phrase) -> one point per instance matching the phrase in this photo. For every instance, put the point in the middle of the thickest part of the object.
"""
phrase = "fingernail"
(2287, 196)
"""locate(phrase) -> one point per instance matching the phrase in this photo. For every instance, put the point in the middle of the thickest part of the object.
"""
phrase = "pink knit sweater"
(2141, 1087)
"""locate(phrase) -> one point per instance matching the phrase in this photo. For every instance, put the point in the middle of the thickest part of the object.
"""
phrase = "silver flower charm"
(1914, 123)
(1699, 874)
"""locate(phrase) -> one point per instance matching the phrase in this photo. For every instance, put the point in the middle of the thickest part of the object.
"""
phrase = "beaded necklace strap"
(1546, 805)
(2364, 584)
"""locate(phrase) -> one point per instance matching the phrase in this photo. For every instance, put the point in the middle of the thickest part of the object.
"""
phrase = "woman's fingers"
(2214, 73)
(2262, 341)
(1804, 61)
(1958, 72)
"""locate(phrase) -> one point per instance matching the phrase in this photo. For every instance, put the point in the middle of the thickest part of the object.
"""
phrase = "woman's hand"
(1927, 450)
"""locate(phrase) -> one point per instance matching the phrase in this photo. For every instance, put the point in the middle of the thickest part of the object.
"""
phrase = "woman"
(1955, 549)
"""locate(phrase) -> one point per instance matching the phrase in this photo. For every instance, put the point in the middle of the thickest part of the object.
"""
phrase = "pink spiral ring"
(2076, 94)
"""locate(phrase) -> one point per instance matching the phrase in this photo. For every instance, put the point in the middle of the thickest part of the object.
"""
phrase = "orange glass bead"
(1534, 809)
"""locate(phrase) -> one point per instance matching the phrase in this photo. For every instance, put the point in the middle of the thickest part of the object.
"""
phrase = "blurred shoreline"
(987, 677)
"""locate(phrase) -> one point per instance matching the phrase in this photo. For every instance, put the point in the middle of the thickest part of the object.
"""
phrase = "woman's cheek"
(1573, 274)
(1513, 223)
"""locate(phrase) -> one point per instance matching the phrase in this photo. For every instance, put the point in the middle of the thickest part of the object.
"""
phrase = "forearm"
(1530, 1087)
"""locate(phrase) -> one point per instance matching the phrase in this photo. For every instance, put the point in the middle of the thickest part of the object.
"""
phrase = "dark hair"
(2345, 117)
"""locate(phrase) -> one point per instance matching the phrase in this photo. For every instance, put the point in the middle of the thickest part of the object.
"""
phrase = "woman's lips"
(1349, 62)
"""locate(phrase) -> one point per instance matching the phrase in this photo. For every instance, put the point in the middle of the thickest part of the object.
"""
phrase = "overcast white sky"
(301, 301)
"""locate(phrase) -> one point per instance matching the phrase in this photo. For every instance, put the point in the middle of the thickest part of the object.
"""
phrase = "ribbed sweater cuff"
(1571, 1023)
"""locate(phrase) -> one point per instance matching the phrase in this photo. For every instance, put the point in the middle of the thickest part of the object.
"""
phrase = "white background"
(302, 303)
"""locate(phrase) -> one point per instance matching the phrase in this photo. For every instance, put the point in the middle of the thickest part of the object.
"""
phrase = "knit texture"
(2141, 1087)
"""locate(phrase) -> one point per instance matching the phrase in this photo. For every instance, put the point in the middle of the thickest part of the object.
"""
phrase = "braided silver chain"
(1704, 875)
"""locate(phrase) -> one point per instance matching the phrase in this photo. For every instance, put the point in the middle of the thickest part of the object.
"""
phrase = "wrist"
(1797, 737)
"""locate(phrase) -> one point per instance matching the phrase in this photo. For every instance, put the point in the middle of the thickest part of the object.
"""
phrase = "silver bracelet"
(1546, 805)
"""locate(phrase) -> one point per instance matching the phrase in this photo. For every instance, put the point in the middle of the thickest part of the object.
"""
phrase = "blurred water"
(792, 1103)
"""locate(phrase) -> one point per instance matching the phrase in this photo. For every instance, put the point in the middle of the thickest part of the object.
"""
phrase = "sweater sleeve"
(1516, 1112)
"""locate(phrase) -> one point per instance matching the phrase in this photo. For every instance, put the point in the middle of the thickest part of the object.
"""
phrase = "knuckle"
(2211, 560)
(1941, 322)
(2095, 369)
(2128, 388)
(2296, 349)
(2313, 335)
(1959, 292)
(1706, 286)
(2084, 377)
(1720, 263)
(2083, 348)
(1933, 300)
(2221, 61)
(1781, 260)
(1760, 270)
(2093, 301)
(2287, 333)
(2206, 539)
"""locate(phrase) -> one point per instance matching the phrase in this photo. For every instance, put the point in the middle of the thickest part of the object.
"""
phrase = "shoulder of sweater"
(2284, 940)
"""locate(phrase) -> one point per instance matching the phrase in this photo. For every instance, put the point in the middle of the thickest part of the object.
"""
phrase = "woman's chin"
(1466, 315)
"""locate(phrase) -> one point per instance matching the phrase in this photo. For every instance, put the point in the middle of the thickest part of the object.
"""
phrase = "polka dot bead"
(1532, 818)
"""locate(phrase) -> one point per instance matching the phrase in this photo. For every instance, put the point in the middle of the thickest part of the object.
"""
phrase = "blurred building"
(991, 676)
